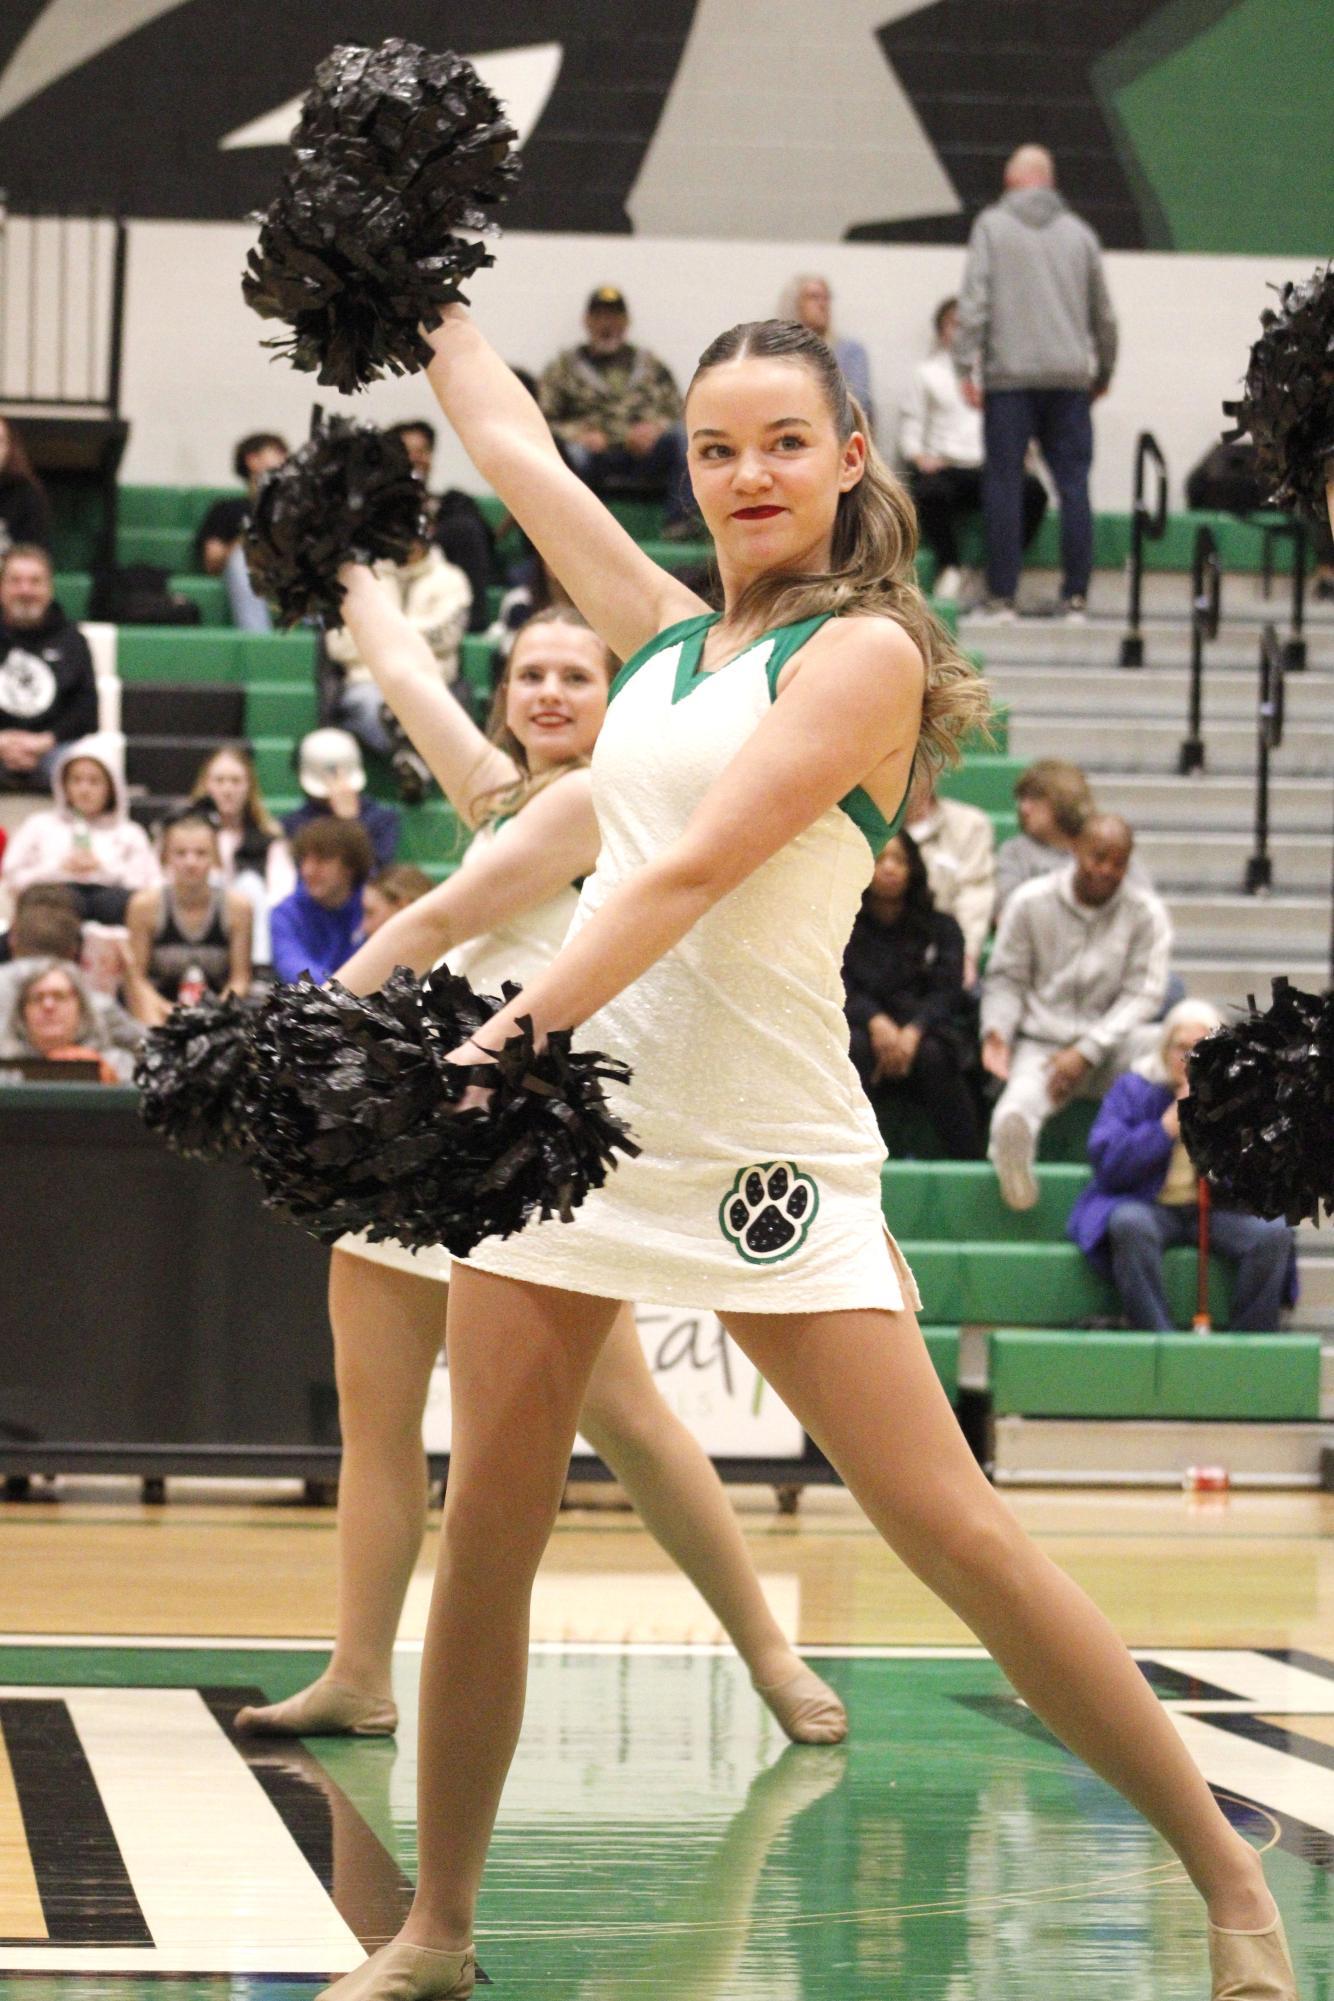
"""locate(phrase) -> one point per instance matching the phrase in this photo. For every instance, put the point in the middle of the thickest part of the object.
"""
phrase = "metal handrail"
(1269, 735)
(1147, 524)
(1206, 606)
(1294, 646)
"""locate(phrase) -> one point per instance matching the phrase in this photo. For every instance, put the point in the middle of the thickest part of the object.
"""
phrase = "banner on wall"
(704, 1378)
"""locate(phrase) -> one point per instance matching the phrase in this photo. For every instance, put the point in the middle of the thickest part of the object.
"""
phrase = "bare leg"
(682, 1504)
(864, 1388)
(388, 1328)
(520, 1357)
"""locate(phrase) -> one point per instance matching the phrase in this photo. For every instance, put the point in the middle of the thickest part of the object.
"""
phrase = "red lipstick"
(756, 513)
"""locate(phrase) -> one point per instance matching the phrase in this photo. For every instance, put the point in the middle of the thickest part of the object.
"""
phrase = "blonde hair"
(874, 546)
(501, 802)
(255, 813)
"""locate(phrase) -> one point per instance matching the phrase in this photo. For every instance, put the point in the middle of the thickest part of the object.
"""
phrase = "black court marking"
(87, 1897)
(364, 1882)
(1297, 1657)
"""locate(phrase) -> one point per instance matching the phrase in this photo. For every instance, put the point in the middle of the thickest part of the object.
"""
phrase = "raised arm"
(625, 597)
(464, 762)
(852, 711)
(550, 844)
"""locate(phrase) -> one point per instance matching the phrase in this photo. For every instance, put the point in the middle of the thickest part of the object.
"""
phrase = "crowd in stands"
(987, 989)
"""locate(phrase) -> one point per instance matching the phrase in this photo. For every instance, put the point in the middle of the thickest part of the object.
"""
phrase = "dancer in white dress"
(525, 790)
(729, 868)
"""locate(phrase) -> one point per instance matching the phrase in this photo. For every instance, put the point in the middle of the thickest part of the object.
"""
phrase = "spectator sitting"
(940, 439)
(1054, 800)
(219, 550)
(959, 849)
(48, 692)
(251, 848)
(189, 937)
(317, 927)
(390, 890)
(913, 1033)
(435, 597)
(459, 529)
(1144, 1196)
(1080, 962)
(25, 516)
(52, 1016)
(333, 778)
(617, 410)
(87, 838)
(1036, 343)
(809, 300)
(46, 926)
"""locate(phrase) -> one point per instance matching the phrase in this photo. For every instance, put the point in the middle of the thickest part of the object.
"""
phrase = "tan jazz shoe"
(402, 1972)
(1251, 1966)
(807, 1708)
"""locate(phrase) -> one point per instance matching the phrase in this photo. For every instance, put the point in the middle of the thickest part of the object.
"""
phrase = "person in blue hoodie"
(317, 927)
(1144, 1197)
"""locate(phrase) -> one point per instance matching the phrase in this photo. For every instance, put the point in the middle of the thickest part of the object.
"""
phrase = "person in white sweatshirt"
(86, 838)
(940, 442)
(1079, 964)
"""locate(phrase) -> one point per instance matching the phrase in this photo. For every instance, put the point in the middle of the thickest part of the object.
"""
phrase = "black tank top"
(175, 950)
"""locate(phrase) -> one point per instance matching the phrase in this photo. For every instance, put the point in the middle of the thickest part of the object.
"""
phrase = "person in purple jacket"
(1144, 1197)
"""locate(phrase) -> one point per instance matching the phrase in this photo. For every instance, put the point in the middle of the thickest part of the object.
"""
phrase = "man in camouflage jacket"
(617, 411)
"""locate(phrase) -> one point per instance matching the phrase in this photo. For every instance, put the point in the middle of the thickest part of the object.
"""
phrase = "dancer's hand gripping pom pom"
(396, 150)
(1259, 1120)
(1288, 402)
(359, 1121)
(193, 1078)
(348, 495)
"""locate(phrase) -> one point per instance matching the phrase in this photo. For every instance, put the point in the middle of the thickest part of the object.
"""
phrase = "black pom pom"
(348, 493)
(192, 1076)
(1288, 402)
(356, 1125)
(396, 150)
(1259, 1120)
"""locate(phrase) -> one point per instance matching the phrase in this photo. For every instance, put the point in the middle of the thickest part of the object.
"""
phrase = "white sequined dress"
(758, 1187)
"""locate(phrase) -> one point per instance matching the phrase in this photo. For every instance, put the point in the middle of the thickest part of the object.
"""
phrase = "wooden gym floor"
(657, 1839)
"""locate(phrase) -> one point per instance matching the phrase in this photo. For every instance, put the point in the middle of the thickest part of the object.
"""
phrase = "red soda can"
(1206, 1480)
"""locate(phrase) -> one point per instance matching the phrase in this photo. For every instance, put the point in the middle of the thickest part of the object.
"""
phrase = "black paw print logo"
(768, 1211)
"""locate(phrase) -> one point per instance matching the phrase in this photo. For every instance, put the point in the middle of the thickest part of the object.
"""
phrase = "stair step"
(1167, 642)
(1181, 861)
(1145, 744)
(166, 765)
(1245, 926)
(1228, 981)
(1214, 802)
(1230, 694)
(184, 709)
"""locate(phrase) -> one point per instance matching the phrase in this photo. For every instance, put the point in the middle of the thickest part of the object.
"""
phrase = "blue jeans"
(1060, 421)
(661, 470)
(248, 609)
(1139, 1232)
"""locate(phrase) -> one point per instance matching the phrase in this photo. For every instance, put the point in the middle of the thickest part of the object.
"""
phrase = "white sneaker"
(1074, 611)
(949, 583)
(1012, 1157)
(995, 611)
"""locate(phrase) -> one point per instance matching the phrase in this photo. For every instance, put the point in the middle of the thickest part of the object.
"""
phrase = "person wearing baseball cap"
(616, 410)
(333, 778)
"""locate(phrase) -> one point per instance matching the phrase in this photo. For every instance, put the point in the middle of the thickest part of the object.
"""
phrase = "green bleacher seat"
(1041, 1284)
(1230, 1377)
(169, 506)
(1272, 1376)
(170, 548)
(1058, 1374)
(202, 653)
(281, 708)
(74, 587)
(985, 781)
(942, 1345)
(961, 1199)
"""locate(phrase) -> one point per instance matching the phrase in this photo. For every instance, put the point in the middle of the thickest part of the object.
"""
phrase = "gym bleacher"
(1021, 1329)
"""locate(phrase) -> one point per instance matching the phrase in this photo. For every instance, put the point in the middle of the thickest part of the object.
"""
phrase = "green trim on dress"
(652, 647)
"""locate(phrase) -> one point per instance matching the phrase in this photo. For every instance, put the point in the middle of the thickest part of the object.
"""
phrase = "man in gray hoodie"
(1079, 964)
(1036, 343)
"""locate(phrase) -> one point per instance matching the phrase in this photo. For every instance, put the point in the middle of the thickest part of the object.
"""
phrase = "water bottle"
(192, 988)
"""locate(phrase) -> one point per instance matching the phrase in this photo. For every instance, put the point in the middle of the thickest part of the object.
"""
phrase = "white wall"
(196, 377)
